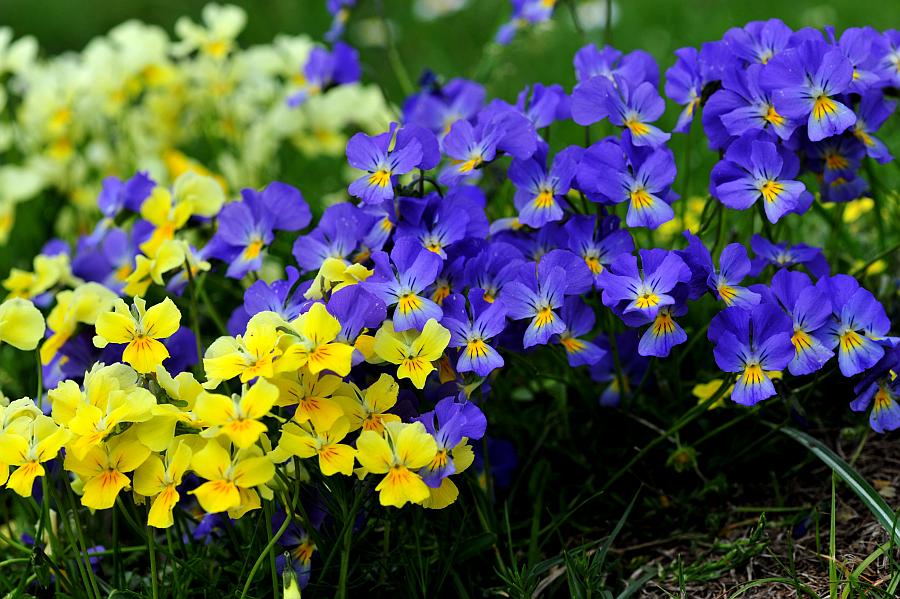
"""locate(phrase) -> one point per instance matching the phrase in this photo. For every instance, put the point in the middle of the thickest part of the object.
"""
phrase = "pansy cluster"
(207, 350)
(195, 102)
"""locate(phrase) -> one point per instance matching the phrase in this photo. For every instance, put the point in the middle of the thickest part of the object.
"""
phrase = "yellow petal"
(296, 441)
(100, 492)
(114, 327)
(217, 496)
(253, 471)
(162, 320)
(388, 345)
(150, 477)
(414, 446)
(336, 357)
(336, 457)
(373, 452)
(432, 342)
(160, 515)
(214, 409)
(259, 399)
(317, 325)
(21, 324)
(211, 461)
(441, 497)
(401, 485)
(22, 479)
(145, 354)
(244, 433)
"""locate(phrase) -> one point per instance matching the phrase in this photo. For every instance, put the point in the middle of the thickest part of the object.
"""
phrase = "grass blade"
(869, 496)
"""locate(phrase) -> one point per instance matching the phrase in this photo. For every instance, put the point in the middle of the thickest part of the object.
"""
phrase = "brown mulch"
(858, 534)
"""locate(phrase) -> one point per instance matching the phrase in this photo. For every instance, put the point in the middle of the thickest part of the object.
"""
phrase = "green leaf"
(869, 496)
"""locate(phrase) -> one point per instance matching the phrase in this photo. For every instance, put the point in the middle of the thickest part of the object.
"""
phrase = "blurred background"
(449, 36)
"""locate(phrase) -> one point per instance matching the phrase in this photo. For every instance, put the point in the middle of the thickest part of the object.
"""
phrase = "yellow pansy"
(100, 384)
(39, 441)
(237, 417)
(103, 469)
(150, 268)
(334, 275)
(313, 344)
(305, 441)
(79, 306)
(403, 449)
(141, 330)
(247, 356)
(92, 423)
(413, 352)
(21, 324)
(368, 410)
(228, 476)
(312, 394)
(158, 478)
(48, 272)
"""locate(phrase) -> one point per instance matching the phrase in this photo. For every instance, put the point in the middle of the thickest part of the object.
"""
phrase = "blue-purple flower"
(472, 328)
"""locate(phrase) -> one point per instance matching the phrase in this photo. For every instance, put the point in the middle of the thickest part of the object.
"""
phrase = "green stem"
(195, 322)
(345, 551)
(40, 380)
(154, 575)
(266, 550)
(267, 509)
(862, 269)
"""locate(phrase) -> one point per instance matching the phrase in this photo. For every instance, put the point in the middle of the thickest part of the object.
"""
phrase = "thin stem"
(195, 322)
(40, 380)
(266, 550)
(154, 575)
(267, 510)
(345, 551)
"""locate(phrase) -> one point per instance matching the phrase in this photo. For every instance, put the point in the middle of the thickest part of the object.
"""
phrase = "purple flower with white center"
(684, 85)
(401, 279)
(641, 178)
(725, 284)
(472, 330)
(758, 41)
(325, 69)
(117, 195)
(470, 147)
(636, 67)
(633, 108)
(437, 109)
(887, 50)
(784, 255)
(493, 267)
(525, 12)
(539, 192)
(597, 243)
(374, 155)
(858, 326)
(752, 342)
(340, 13)
(449, 423)
(664, 332)
(880, 390)
(536, 293)
(637, 294)
(543, 104)
(836, 158)
(872, 113)
(810, 311)
(247, 227)
(337, 235)
(804, 82)
(754, 169)
(440, 223)
(742, 105)
(579, 320)
(856, 44)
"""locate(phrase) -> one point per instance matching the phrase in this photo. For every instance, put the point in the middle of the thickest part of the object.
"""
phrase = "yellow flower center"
(544, 199)
(253, 249)
(823, 106)
(663, 324)
(772, 117)
(770, 190)
(850, 341)
(647, 300)
(834, 161)
(469, 165)
(727, 293)
(544, 317)
(380, 178)
(571, 344)
(636, 127)
(753, 374)
(409, 302)
(593, 264)
(801, 341)
(640, 199)
(476, 348)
